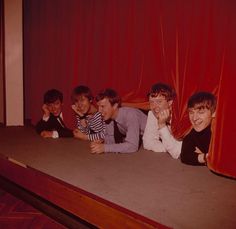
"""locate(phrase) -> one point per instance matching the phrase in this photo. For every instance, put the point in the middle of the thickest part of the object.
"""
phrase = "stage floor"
(151, 184)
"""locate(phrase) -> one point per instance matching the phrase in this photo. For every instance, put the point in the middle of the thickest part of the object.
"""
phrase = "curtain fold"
(129, 45)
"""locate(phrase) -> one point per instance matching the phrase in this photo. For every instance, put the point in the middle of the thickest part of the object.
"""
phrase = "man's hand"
(163, 117)
(78, 134)
(74, 108)
(46, 112)
(201, 155)
(46, 134)
(97, 147)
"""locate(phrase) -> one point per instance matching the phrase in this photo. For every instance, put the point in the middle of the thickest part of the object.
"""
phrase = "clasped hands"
(97, 147)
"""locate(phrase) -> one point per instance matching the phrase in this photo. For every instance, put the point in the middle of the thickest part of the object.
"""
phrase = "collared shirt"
(131, 122)
(160, 140)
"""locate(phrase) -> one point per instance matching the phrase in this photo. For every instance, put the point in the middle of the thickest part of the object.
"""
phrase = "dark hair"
(82, 90)
(162, 89)
(111, 94)
(203, 99)
(52, 95)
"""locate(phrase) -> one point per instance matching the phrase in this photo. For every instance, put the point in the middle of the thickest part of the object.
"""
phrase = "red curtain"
(129, 45)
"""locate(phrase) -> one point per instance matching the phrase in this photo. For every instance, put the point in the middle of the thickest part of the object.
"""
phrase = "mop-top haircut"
(162, 90)
(111, 95)
(52, 95)
(202, 100)
(82, 91)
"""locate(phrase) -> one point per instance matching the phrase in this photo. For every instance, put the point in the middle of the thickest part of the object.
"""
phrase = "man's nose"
(154, 106)
(195, 116)
(79, 105)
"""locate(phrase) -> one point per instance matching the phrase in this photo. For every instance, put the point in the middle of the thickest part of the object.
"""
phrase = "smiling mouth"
(197, 126)
(197, 123)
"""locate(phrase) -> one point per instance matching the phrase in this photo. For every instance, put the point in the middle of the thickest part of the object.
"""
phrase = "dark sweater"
(53, 124)
(195, 139)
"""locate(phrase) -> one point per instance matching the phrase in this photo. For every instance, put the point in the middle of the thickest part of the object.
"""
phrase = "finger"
(76, 131)
(97, 141)
(42, 133)
(197, 150)
(93, 146)
(167, 111)
(93, 150)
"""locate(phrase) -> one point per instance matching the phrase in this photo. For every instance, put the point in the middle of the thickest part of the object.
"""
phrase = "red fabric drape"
(129, 45)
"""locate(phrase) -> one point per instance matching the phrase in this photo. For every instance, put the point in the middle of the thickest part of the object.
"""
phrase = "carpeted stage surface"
(151, 184)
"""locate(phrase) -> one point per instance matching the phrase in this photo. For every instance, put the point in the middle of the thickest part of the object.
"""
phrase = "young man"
(194, 147)
(157, 135)
(124, 125)
(51, 125)
(201, 107)
(90, 125)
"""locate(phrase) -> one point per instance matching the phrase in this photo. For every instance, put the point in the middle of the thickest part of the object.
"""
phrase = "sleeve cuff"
(45, 118)
(55, 134)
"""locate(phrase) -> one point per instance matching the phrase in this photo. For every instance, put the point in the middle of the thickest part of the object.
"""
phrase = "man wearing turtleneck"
(195, 145)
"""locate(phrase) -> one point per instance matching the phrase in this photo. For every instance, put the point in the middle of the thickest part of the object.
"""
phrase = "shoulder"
(150, 114)
(127, 109)
(130, 112)
(190, 136)
(96, 118)
(97, 114)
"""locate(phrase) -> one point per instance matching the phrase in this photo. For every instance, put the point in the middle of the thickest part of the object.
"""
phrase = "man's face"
(55, 107)
(200, 117)
(106, 109)
(82, 104)
(159, 103)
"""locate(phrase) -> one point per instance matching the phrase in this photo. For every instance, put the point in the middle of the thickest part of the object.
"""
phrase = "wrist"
(82, 117)
(45, 117)
(161, 125)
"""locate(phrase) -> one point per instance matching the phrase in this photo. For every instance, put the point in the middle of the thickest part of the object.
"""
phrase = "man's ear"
(213, 114)
(115, 106)
(170, 102)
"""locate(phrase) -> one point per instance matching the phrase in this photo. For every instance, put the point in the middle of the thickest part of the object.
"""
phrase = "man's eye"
(201, 111)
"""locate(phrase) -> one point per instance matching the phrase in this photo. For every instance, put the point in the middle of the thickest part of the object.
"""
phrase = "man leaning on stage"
(52, 125)
(124, 125)
(157, 135)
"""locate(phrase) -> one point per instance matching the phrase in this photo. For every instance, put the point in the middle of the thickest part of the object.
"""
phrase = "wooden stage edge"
(87, 206)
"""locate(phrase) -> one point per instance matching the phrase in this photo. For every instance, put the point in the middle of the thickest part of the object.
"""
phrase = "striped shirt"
(95, 128)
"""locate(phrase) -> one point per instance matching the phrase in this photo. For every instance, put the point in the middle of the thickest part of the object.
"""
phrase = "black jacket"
(54, 124)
